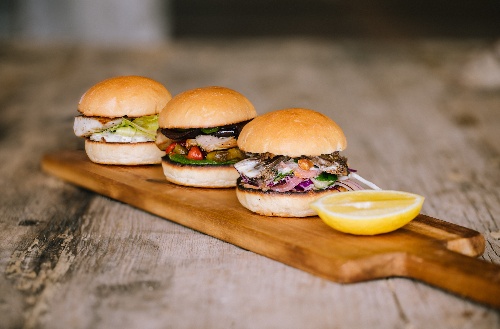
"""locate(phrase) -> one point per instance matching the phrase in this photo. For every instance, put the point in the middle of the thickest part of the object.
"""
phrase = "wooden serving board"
(427, 249)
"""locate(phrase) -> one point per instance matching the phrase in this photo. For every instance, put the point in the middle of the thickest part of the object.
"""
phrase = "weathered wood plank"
(435, 137)
(420, 250)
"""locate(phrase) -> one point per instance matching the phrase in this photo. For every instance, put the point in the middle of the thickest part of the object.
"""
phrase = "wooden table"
(419, 116)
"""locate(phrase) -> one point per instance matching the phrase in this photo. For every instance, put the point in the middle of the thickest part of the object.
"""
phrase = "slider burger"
(119, 120)
(293, 158)
(198, 132)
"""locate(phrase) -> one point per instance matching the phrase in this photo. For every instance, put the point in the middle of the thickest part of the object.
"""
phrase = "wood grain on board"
(427, 249)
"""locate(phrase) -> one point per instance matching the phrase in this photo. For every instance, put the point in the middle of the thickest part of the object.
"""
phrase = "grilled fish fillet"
(85, 126)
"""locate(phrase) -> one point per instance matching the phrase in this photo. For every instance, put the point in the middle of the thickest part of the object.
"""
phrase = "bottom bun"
(131, 154)
(200, 176)
(280, 204)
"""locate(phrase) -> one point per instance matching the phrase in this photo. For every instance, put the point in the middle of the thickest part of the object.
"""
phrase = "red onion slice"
(288, 185)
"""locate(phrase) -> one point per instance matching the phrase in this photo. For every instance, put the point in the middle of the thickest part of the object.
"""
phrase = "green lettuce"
(326, 177)
(146, 125)
(281, 175)
(181, 158)
(324, 180)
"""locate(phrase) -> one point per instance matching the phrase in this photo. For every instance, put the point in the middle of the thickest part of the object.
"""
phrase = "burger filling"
(117, 130)
(202, 146)
(285, 174)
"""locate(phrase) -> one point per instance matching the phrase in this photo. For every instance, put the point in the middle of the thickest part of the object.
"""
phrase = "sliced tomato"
(170, 147)
(195, 153)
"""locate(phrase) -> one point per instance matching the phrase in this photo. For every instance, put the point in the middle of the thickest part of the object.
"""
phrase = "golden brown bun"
(206, 107)
(279, 204)
(200, 176)
(293, 132)
(131, 96)
(123, 153)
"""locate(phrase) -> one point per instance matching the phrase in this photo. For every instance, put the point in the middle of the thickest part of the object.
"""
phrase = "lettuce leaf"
(326, 177)
(146, 125)
(323, 180)
(181, 158)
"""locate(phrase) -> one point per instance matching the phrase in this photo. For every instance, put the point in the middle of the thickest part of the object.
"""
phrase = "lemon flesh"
(368, 212)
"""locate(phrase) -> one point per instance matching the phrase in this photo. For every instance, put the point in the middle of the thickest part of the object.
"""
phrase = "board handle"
(465, 276)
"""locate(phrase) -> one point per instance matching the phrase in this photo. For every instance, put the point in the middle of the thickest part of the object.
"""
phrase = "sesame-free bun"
(279, 204)
(206, 107)
(123, 153)
(292, 132)
(200, 176)
(131, 96)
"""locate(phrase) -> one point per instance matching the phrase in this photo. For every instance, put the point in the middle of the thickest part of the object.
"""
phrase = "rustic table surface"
(421, 116)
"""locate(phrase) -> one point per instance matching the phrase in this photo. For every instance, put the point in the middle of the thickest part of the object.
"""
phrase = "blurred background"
(415, 86)
(132, 21)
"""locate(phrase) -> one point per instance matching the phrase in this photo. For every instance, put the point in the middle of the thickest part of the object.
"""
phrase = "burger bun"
(206, 107)
(292, 132)
(279, 204)
(123, 153)
(131, 96)
(218, 176)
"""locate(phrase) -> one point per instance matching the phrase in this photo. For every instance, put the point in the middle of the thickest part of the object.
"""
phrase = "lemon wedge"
(368, 212)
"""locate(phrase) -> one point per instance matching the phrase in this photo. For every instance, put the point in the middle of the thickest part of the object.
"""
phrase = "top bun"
(131, 96)
(292, 132)
(206, 107)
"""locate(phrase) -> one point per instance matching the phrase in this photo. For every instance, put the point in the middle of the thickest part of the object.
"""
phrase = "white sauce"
(115, 138)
